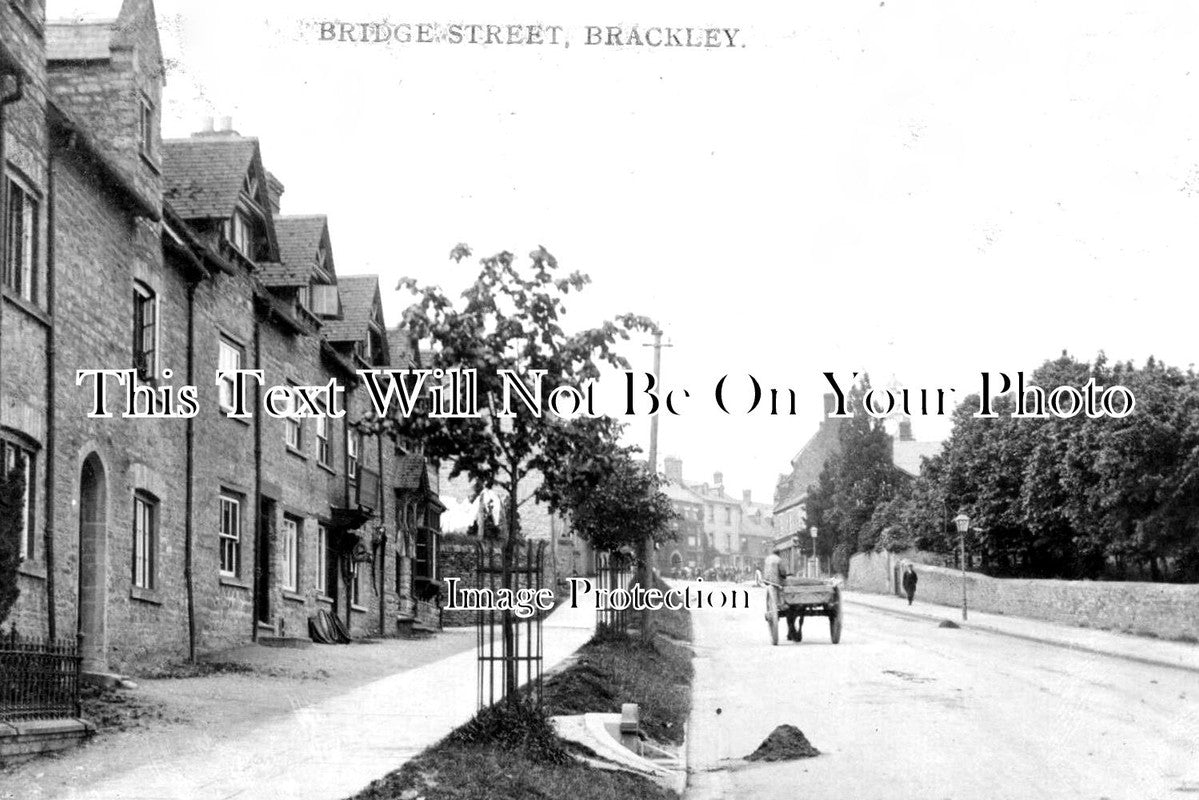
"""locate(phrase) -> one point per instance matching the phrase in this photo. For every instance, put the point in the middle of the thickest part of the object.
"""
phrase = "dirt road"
(904, 709)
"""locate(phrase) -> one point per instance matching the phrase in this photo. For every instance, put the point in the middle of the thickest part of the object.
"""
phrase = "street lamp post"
(963, 524)
(813, 531)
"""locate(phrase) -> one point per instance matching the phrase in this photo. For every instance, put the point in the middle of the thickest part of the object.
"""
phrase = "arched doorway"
(93, 561)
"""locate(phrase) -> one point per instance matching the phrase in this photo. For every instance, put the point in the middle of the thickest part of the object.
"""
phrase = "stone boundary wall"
(1161, 610)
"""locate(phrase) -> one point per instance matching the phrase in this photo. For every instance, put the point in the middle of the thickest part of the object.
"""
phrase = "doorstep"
(21, 741)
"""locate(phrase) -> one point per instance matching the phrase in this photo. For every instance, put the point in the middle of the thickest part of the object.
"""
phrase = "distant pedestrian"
(909, 582)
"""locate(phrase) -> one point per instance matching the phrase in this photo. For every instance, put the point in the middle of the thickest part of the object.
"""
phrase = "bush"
(12, 498)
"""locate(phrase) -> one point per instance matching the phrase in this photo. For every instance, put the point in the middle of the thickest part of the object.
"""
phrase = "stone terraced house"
(171, 260)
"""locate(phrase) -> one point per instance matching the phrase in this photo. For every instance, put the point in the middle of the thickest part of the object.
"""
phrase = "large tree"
(510, 318)
(1077, 497)
(856, 481)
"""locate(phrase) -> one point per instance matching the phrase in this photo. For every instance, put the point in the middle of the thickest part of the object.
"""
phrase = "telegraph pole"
(646, 547)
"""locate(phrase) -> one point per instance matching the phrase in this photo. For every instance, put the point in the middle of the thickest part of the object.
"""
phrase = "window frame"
(9, 450)
(324, 452)
(22, 280)
(356, 584)
(228, 385)
(322, 564)
(289, 548)
(145, 126)
(353, 451)
(240, 234)
(424, 554)
(145, 540)
(233, 537)
(144, 296)
(293, 424)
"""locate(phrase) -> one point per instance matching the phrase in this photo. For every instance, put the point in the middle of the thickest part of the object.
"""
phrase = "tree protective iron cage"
(520, 667)
(613, 570)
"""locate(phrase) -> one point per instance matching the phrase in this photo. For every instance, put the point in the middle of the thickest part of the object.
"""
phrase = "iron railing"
(39, 678)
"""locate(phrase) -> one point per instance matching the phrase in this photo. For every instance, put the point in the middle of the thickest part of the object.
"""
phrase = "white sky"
(924, 190)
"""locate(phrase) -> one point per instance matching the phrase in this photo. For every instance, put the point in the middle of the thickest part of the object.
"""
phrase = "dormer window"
(322, 259)
(240, 234)
(250, 187)
(373, 350)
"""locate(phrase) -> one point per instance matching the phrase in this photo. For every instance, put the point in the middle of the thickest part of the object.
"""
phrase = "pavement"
(903, 708)
(332, 749)
(1142, 649)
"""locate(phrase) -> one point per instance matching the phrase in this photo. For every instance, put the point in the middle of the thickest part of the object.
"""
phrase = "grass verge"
(511, 751)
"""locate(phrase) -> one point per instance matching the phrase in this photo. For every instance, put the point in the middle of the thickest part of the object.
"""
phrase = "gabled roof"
(300, 238)
(680, 494)
(358, 294)
(410, 472)
(715, 494)
(203, 175)
(401, 347)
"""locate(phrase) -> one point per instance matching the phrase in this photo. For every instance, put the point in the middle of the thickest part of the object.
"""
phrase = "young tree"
(613, 500)
(510, 319)
(12, 498)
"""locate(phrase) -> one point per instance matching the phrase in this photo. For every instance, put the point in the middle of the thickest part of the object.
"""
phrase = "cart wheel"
(772, 616)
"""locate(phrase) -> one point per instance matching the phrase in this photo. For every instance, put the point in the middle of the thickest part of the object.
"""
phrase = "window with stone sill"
(230, 535)
(145, 539)
(21, 239)
(290, 546)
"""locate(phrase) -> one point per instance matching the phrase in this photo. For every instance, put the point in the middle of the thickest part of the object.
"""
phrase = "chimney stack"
(274, 188)
(674, 469)
(747, 496)
(209, 125)
(718, 480)
(905, 430)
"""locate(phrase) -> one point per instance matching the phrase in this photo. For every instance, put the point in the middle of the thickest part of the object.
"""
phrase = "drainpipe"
(382, 504)
(189, 489)
(51, 369)
(258, 531)
(6, 101)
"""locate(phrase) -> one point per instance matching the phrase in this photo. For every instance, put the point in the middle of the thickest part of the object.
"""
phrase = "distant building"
(690, 547)
(725, 531)
(791, 494)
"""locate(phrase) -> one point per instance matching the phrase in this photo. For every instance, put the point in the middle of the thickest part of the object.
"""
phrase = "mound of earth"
(948, 623)
(786, 742)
